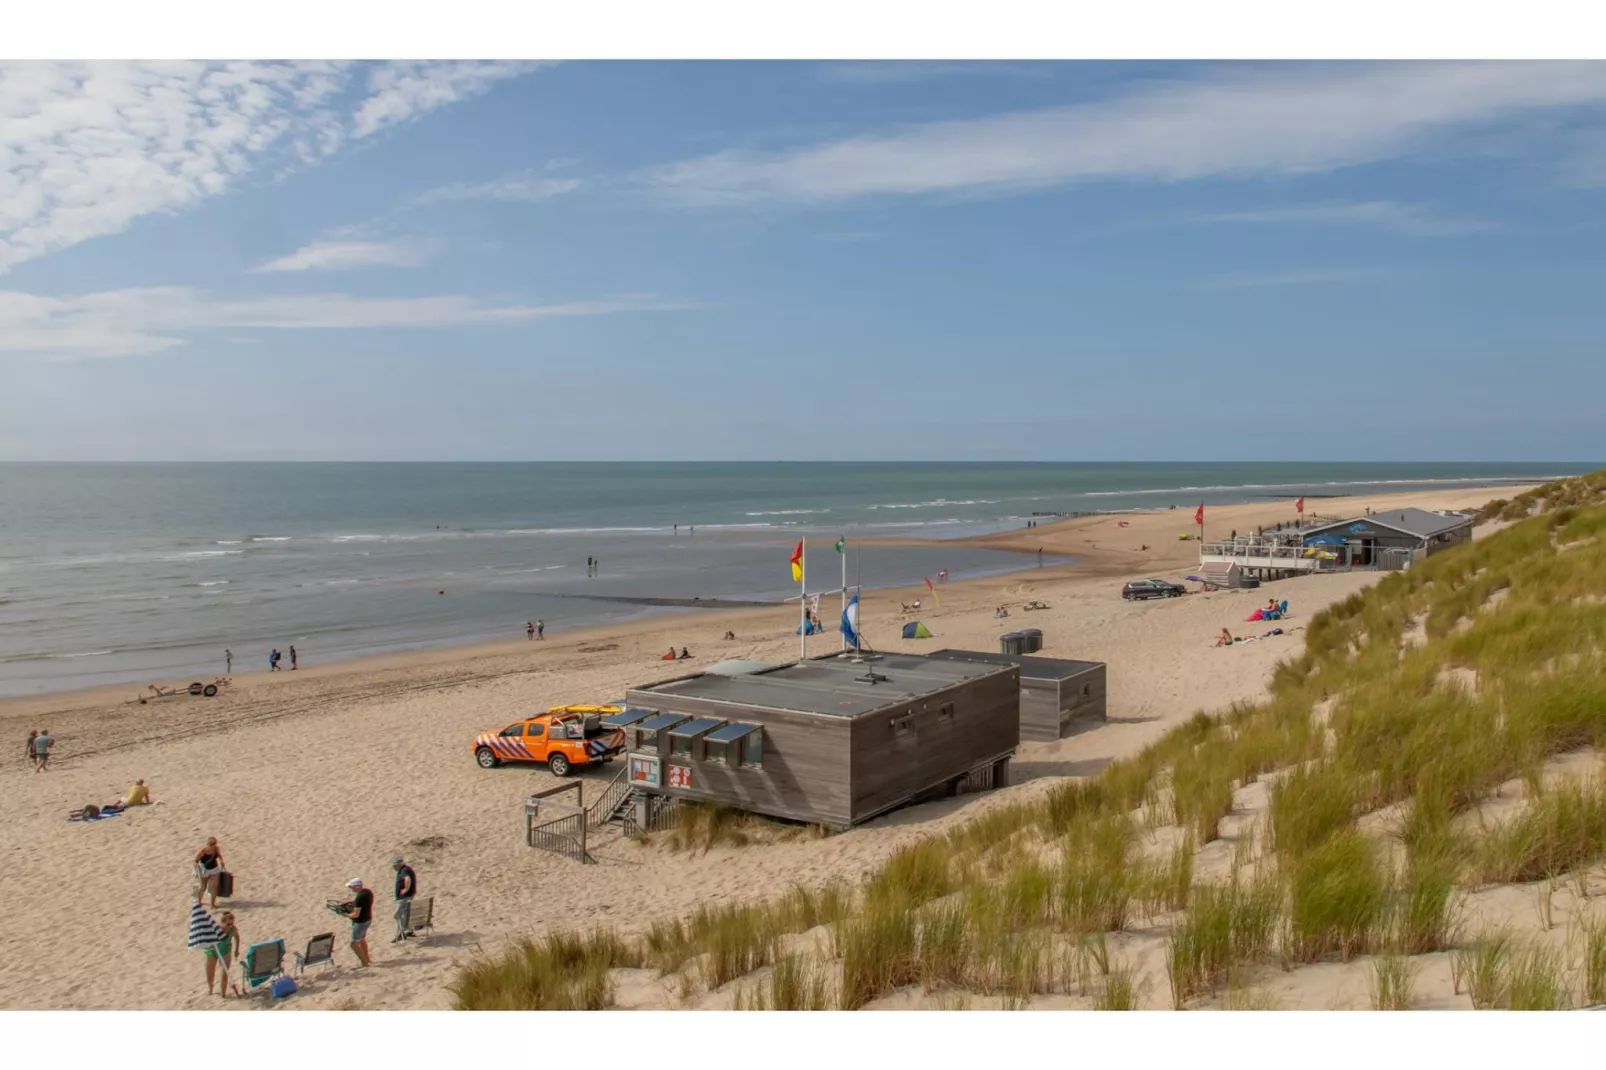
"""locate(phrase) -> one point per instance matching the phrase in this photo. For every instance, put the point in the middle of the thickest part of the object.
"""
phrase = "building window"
(680, 745)
(646, 739)
(753, 748)
(714, 752)
(945, 713)
(903, 726)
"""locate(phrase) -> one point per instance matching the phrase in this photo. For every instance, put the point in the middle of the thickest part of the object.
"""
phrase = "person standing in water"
(228, 662)
(292, 658)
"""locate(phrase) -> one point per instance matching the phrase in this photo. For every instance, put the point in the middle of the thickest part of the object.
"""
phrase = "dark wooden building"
(833, 741)
(1057, 695)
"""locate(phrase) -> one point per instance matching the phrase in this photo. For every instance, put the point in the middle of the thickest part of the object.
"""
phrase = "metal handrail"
(600, 810)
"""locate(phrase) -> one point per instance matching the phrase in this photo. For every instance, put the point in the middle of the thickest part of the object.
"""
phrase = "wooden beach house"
(1057, 695)
(832, 741)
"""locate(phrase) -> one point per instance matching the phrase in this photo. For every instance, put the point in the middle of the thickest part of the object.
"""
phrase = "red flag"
(1198, 516)
(1300, 505)
(797, 563)
(929, 587)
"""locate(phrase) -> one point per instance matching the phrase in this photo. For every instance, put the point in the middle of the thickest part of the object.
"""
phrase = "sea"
(128, 572)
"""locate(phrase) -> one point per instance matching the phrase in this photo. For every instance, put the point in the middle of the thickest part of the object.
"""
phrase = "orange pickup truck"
(564, 738)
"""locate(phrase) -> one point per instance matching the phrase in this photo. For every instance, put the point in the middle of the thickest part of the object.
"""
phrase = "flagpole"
(844, 540)
(803, 601)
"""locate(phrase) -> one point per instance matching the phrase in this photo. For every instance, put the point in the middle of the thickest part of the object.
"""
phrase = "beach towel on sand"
(103, 815)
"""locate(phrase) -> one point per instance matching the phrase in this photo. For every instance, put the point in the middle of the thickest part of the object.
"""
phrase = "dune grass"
(1562, 828)
(1392, 982)
(1593, 967)
(1483, 968)
(1337, 895)
(1225, 928)
(1536, 981)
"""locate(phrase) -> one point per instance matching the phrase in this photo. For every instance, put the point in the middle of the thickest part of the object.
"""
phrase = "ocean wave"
(786, 512)
(938, 503)
(226, 542)
(267, 538)
(203, 553)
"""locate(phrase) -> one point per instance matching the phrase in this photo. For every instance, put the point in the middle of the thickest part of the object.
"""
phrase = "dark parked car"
(1152, 589)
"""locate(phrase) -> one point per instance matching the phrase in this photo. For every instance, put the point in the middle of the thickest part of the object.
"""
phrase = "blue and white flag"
(850, 622)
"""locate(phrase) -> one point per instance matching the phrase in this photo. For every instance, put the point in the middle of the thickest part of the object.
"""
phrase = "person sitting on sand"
(1000, 613)
(669, 656)
(138, 795)
(684, 654)
(1225, 638)
(730, 637)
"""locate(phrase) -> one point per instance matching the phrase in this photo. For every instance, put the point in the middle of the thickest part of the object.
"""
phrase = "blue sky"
(1057, 261)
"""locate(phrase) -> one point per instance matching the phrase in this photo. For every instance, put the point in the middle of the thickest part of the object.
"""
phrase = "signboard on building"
(680, 776)
(645, 771)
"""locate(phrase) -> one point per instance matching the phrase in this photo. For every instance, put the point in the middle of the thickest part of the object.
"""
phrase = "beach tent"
(915, 630)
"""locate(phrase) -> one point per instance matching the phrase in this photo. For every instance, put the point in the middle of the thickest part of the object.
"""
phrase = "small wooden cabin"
(833, 741)
(1057, 695)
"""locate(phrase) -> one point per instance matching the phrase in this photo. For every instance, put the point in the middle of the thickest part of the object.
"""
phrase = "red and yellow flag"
(797, 563)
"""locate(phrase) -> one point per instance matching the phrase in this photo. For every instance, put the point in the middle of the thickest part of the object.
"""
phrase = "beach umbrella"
(204, 931)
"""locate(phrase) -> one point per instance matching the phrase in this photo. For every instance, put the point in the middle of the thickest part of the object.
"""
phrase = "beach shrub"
(1392, 982)
(1561, 829)
(879, 954)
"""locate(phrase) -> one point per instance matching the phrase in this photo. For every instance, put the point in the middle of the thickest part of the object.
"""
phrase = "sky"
(789, 260)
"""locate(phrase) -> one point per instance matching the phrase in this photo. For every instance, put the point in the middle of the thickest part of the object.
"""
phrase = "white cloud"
(1402, 218)
(139, 322)
(334, 255)
(86, 148)
(1283, 120)
(1249, 280)
(524, 188)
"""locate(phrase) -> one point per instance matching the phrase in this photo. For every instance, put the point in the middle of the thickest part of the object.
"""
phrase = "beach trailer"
(833, 741)
(1057, 695)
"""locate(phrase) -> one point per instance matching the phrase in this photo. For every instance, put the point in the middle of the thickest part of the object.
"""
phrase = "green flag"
(841, 545)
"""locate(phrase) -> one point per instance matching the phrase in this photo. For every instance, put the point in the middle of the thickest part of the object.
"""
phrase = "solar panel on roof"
(626, 718)
(692, 728)
(730, 733)
(661, 722)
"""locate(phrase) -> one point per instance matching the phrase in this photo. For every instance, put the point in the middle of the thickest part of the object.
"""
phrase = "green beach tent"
(915, 630)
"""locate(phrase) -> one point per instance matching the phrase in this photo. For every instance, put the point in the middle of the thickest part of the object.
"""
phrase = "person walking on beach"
(292, 658)
(41, 751)
(529, 630)
(273, 661)
(406, 888)
(540, 629)
(32, 754)
(228, 662)
(362, 914)
(208, 866)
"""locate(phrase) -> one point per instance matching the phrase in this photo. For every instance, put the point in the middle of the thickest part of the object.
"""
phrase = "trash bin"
(1012, 643)
(1031, 640)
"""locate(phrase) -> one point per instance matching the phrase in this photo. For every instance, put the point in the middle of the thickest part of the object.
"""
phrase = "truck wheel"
(558, 764)
(487, 758)
(209, 690)
(195, 688)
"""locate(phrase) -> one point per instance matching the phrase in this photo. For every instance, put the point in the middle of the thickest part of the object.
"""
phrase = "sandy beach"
(313, 777)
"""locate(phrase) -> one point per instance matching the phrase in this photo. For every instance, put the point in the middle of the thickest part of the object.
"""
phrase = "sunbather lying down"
(91, 812)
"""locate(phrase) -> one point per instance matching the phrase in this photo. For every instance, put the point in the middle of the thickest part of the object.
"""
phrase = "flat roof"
(1033, 668)
(830, 686)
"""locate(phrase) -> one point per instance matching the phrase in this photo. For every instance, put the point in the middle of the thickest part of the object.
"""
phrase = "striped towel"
(204, 931)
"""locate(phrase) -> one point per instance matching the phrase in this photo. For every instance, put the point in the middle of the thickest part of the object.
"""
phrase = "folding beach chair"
(261, 963)
(320, 952)
(420, 914)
